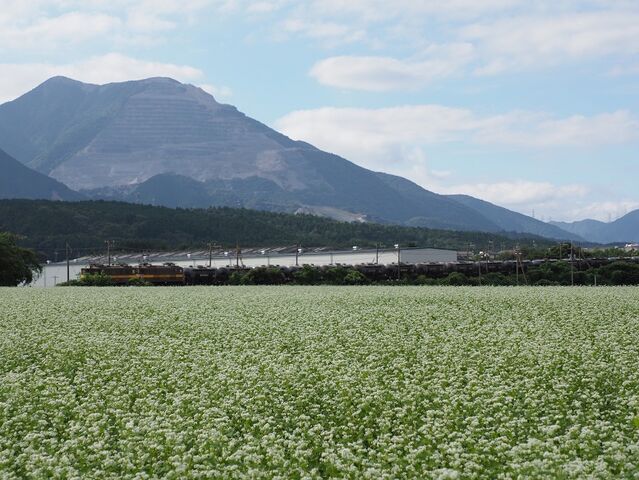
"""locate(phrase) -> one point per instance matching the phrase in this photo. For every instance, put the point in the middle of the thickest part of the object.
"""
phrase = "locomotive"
(122, 274)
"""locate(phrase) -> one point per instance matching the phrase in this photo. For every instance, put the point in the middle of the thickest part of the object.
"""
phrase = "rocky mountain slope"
(161, 142)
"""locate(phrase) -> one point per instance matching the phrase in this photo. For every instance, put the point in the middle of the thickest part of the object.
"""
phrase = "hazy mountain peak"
(61, 79)
(163, 80)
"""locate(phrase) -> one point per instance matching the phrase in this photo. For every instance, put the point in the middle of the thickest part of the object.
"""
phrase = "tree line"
(48, 225)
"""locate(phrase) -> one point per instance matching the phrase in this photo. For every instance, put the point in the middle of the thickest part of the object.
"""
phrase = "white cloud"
(533, 41)
(542, 130)
(43, 25)
(16, 79)
(386, 73)
(49, 32)
(362, 134)
(520, 192)
(549, 201)
(220, 93)
(524, 37)
(330, 33)
(602, 210)
(370, 11)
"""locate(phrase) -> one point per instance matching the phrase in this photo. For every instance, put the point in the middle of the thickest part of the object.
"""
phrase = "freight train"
(171, 274)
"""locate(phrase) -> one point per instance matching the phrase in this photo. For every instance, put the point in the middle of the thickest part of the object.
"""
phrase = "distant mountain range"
(18, 181)
(512, 221)
(161, 142)
(624, 229)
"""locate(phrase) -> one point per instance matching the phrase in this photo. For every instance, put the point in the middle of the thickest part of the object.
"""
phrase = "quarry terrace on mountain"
(158, 141)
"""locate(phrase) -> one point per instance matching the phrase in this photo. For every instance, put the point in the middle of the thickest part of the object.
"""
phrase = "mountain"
(516, 222)
(622, 230)
(18, 181)
(162, 142)
(114, 138)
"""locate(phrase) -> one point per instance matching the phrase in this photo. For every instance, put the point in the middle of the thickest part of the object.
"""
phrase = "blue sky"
(533, 105)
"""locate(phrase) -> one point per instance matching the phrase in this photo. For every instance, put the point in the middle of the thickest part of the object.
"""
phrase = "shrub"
(264, 276)
(353, 277)
(308, 275)
(97, 280)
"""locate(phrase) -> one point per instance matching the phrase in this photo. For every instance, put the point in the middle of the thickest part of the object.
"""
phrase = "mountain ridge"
(19, 181)
(507, 219)
(163, 142)
(623, 230)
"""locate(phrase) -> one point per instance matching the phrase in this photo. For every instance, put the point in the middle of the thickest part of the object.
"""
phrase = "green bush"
(308, 275)
(495, 279)
(237, 278)
(355, 278)
(97, 280)
(457, 279)
(264, 276)
(335, 275)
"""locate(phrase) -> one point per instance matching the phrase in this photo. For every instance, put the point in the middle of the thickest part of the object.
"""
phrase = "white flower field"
(319, 382)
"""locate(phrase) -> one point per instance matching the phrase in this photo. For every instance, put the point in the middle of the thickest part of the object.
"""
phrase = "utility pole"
(479, 270)
(399, 261)
(517, 264)
(572, 266)
(68, 250)
(109, 244)
(211, 246)
(376, 254)
(237, 255)
(297, 254)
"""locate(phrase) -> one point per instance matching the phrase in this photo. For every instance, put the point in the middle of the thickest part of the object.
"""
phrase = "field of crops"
(296, 382)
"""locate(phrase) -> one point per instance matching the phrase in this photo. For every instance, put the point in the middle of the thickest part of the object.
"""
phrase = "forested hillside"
(48, 225)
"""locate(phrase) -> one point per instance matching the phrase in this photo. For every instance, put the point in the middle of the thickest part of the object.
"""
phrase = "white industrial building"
(286, 257)
(337, 257)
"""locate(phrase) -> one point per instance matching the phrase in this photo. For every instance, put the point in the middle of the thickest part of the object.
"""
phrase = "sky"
(533, 105)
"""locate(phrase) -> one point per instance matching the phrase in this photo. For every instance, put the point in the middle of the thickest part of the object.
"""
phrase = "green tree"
(353, 277)
(17, 264)
(308, 275)
(264, 276)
